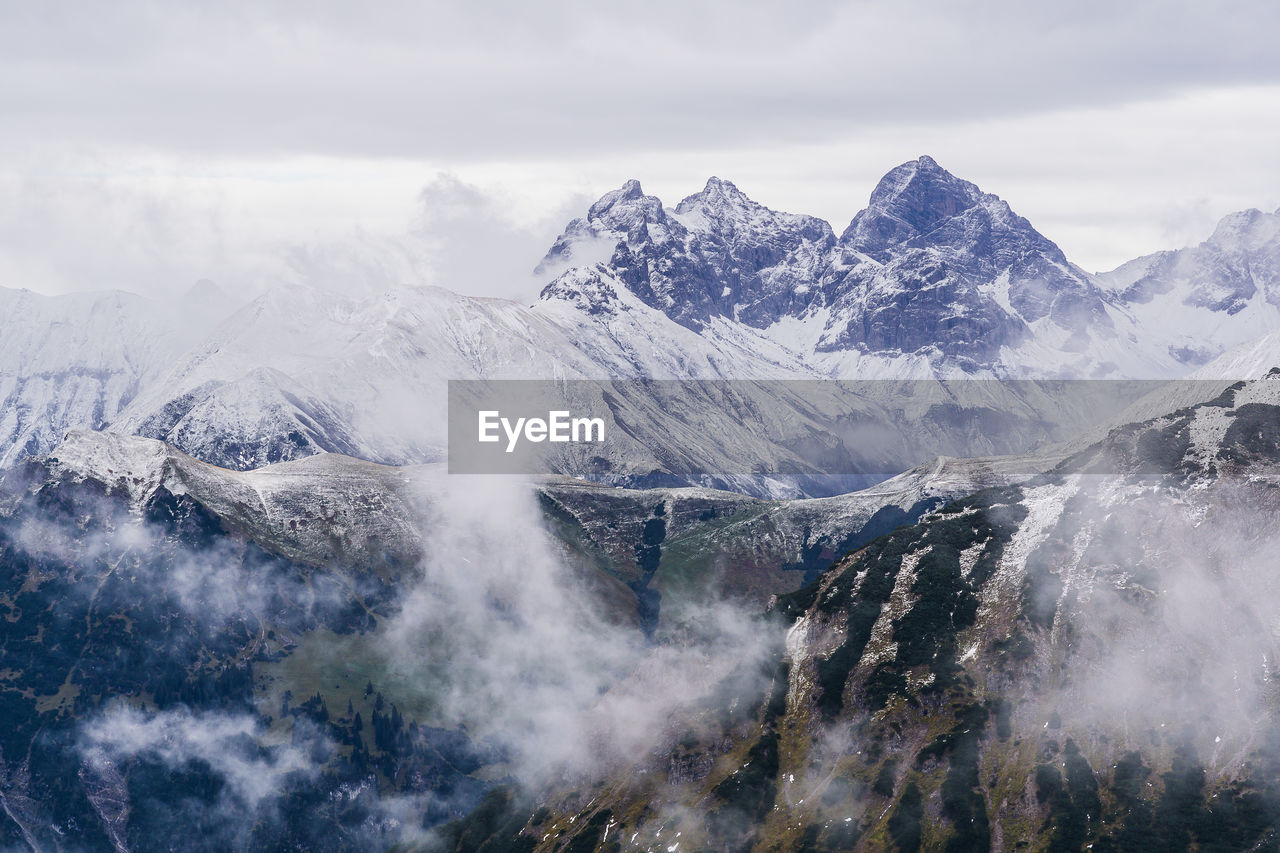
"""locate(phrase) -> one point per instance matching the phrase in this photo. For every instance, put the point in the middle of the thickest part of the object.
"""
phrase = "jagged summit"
(626, 208)
(1246, 230)
(718, 195)
(718, 191)
(910, 201)
(625, 215)
(934, 269)
(718, 285)
(717, 254)
(725, 217)
(629, 191)
(721, 207)
(717, 184)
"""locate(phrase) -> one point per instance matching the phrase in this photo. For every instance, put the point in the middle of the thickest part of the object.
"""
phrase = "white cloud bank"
(148, 146)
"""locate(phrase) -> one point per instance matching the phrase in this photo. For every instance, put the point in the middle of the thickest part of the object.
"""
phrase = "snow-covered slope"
(74, 360)
(324, 509)
(1250, 360)
(935, 278)
(302, 369)
(1205, 300)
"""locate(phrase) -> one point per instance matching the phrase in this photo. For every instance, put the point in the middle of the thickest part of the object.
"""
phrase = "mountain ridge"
(1080, 661)
(933, 271)
(719, 287)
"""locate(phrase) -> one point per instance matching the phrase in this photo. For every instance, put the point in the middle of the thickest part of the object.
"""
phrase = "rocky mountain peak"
(720, 185)
(934, 268)
(718, 191)
(717, 202)
(1247, 230)
(910, 201)
(722, 211)
(626, 208)
(625, 215)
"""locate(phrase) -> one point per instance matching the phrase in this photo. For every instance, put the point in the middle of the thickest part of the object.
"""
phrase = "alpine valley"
(244, 605)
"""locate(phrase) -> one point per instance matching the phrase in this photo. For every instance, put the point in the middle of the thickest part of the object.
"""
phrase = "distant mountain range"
(1012, 666)
(217, 635)
(935, 278)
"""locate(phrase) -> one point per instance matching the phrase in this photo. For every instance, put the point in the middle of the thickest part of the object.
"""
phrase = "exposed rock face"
(663, 545)
(933, 264)
(155, 599)
(935, 278)
(769, 262)
(682, 546)
(717, 254)
(949, 255)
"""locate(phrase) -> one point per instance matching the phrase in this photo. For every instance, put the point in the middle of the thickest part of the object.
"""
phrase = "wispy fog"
(512, 644)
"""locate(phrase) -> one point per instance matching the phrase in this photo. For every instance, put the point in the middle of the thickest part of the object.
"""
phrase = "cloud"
(461, 81)
(226, 743)
(212, 780)
(1107, 183)
(1182, 639)
(214, 585)
(461, 237)
(475, 245)
(60, 233)
(146, 147)
(503, 637)
(500, 633)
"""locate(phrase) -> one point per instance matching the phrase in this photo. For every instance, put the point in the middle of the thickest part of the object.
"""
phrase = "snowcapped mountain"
(1014, 664)
(301, 370)
(718, 254)
(1208, 298)
(935, 278)
(75, 361)
(935, 265)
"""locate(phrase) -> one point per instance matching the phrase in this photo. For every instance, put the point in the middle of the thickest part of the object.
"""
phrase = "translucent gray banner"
(822, 437)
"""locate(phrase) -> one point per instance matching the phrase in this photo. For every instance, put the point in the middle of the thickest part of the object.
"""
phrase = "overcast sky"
(146, 145)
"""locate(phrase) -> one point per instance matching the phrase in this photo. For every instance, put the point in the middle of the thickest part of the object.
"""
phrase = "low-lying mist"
(500, 635)
(512, 642)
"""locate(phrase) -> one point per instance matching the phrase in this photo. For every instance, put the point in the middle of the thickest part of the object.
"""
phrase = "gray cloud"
(222, 741)
(147, 146)
(91, 233)
(470, 81)
(474, 246)
(501, 635)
